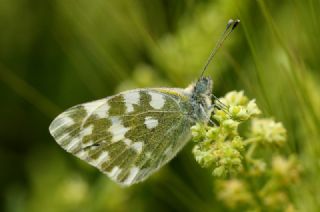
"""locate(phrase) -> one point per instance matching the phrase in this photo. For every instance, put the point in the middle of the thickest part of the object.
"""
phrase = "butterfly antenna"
(231, 25)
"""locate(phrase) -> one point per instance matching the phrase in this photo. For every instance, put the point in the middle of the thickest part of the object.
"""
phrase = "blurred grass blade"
(29, 93)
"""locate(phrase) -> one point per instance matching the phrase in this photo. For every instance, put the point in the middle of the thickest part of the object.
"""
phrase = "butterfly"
(130, 135)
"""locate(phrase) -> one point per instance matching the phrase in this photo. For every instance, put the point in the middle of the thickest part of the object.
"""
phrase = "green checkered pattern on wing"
(83, 131)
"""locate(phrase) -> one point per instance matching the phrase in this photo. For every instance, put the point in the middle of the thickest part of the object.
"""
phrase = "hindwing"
(127, 136)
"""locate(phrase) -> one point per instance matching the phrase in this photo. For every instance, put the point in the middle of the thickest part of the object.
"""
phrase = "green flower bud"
(252, 108)
(230, 125)
(236, 162)
(237, 143)
(239, 113)
(220, 115)
(219, 171)
(213, 133)
(198, 132)
(204, 158)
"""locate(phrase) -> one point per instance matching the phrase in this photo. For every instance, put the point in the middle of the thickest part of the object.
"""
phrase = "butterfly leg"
(220, 105)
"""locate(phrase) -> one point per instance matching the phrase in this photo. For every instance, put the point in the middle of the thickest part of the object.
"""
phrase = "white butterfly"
(130, 135)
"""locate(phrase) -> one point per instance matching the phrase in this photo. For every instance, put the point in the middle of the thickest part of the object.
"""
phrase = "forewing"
(127, 136)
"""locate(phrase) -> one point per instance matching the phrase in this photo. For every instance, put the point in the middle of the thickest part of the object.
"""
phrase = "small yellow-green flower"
(234, 193)
(268, 131)
(239, 107)
(287, 170)
(198, 132)
(235, 98)
(252, 108)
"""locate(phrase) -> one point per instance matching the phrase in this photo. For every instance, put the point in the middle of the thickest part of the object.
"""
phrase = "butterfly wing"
(127, 136)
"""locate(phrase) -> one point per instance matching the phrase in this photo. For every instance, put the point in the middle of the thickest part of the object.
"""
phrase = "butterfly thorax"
(200, 99)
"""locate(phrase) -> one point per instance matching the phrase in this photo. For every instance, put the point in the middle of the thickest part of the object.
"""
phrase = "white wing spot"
(104, 156)
(130, 99)
(114, 172)
(77, 140)
(72, 144)
(127, 141)
(157, 100)
(102, 111)
(62, 138)
(90, 107)
(82, 154)
(117, 129)
(137, 146)
(150, 122)
(86, 131)
(61, 121)
(132, 174)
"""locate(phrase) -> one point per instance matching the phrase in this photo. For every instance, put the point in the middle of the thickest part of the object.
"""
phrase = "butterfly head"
(203, 86)
(200, 99)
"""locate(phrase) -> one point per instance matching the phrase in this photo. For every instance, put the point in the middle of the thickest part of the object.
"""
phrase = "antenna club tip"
(236, 23)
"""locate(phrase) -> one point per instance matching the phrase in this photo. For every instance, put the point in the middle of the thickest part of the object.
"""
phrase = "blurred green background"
(55, 54)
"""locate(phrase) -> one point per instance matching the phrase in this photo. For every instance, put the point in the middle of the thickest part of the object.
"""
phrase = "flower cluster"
(247, 180)
(268, 132)
(221, 145)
